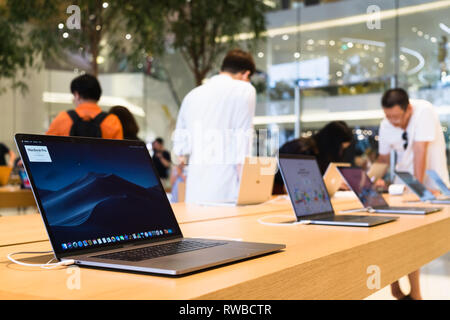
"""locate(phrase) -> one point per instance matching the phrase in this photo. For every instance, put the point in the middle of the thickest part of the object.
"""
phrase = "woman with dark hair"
(129, 124)
(327, 146)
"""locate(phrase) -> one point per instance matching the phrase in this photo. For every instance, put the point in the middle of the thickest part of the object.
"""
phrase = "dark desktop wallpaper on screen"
(97, 190)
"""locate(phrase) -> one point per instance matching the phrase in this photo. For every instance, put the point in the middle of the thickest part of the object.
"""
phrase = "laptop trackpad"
(203, 257)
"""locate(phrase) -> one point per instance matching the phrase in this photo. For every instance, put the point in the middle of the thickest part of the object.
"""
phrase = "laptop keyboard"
(161, 250)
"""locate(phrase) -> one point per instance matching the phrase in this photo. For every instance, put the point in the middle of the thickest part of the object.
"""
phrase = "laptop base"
(185, 262)
(353, 221)
(440, 201)
(405, 210)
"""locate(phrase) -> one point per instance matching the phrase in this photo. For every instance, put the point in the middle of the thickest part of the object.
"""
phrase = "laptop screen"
(360, 183)
(438, 181)
(305, 185)
(95, 192)
(24, 181)
(414, 184)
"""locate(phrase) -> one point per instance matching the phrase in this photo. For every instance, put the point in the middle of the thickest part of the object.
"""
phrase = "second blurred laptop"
(372, 201)
(256, 182)
(24, 181)
(419, 189)
(310, 199)
(333, 178)
(439, 182)
(377, 171)
(5, 172)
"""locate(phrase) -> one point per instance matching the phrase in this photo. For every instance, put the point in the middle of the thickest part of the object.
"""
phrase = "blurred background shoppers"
(162, 161)
(129, 124)
(327, 145)
(412, 129)
(87, 119)
(178, 181)
(214, 128)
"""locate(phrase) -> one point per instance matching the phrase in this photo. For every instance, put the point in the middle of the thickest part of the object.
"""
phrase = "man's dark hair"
(159, 140)
(238, 61)
(395, 97)
(87, 87)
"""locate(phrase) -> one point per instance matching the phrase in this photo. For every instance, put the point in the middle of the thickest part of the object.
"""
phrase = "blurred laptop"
(310, 199)
(256, 184)
(439, 182)
(333, 178)
(372, 201)
(377, 171)
(103, 205)
(24, 181)
(419, 189)
(5, 173)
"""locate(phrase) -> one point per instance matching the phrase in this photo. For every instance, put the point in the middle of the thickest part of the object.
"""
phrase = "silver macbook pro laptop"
(256, 183)
(372, 201)
(103, 205)
(419, 189)
(439, 182)
(310, 198)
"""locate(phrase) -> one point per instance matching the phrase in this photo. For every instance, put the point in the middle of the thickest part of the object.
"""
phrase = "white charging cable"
(47, 265)
(282, 224)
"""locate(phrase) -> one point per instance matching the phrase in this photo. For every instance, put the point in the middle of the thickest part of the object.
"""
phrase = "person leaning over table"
(412, 129)
(327, 145)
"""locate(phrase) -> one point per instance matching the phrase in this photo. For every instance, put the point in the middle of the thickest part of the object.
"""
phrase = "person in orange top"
(86, 92)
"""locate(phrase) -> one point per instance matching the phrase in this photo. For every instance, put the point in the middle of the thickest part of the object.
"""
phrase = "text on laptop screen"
(97, 193)
(360, 183)
(305, 186)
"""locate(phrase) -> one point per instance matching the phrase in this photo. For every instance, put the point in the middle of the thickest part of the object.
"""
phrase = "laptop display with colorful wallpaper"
(103, 205)
(439, 182)
(309, 197)
(419, 189)
(367, 194)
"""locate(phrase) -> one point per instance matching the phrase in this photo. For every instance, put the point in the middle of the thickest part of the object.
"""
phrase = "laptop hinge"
(316, 216)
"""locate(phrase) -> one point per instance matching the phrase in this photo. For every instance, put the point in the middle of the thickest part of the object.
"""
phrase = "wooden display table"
(319, 262)
(14, 197)
(30, 228)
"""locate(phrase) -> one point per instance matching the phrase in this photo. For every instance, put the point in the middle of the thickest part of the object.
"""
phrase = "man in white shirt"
(412, 128)
(214, 128)
(415, 133)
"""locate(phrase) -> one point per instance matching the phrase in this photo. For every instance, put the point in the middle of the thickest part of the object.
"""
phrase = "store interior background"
(320, 61)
